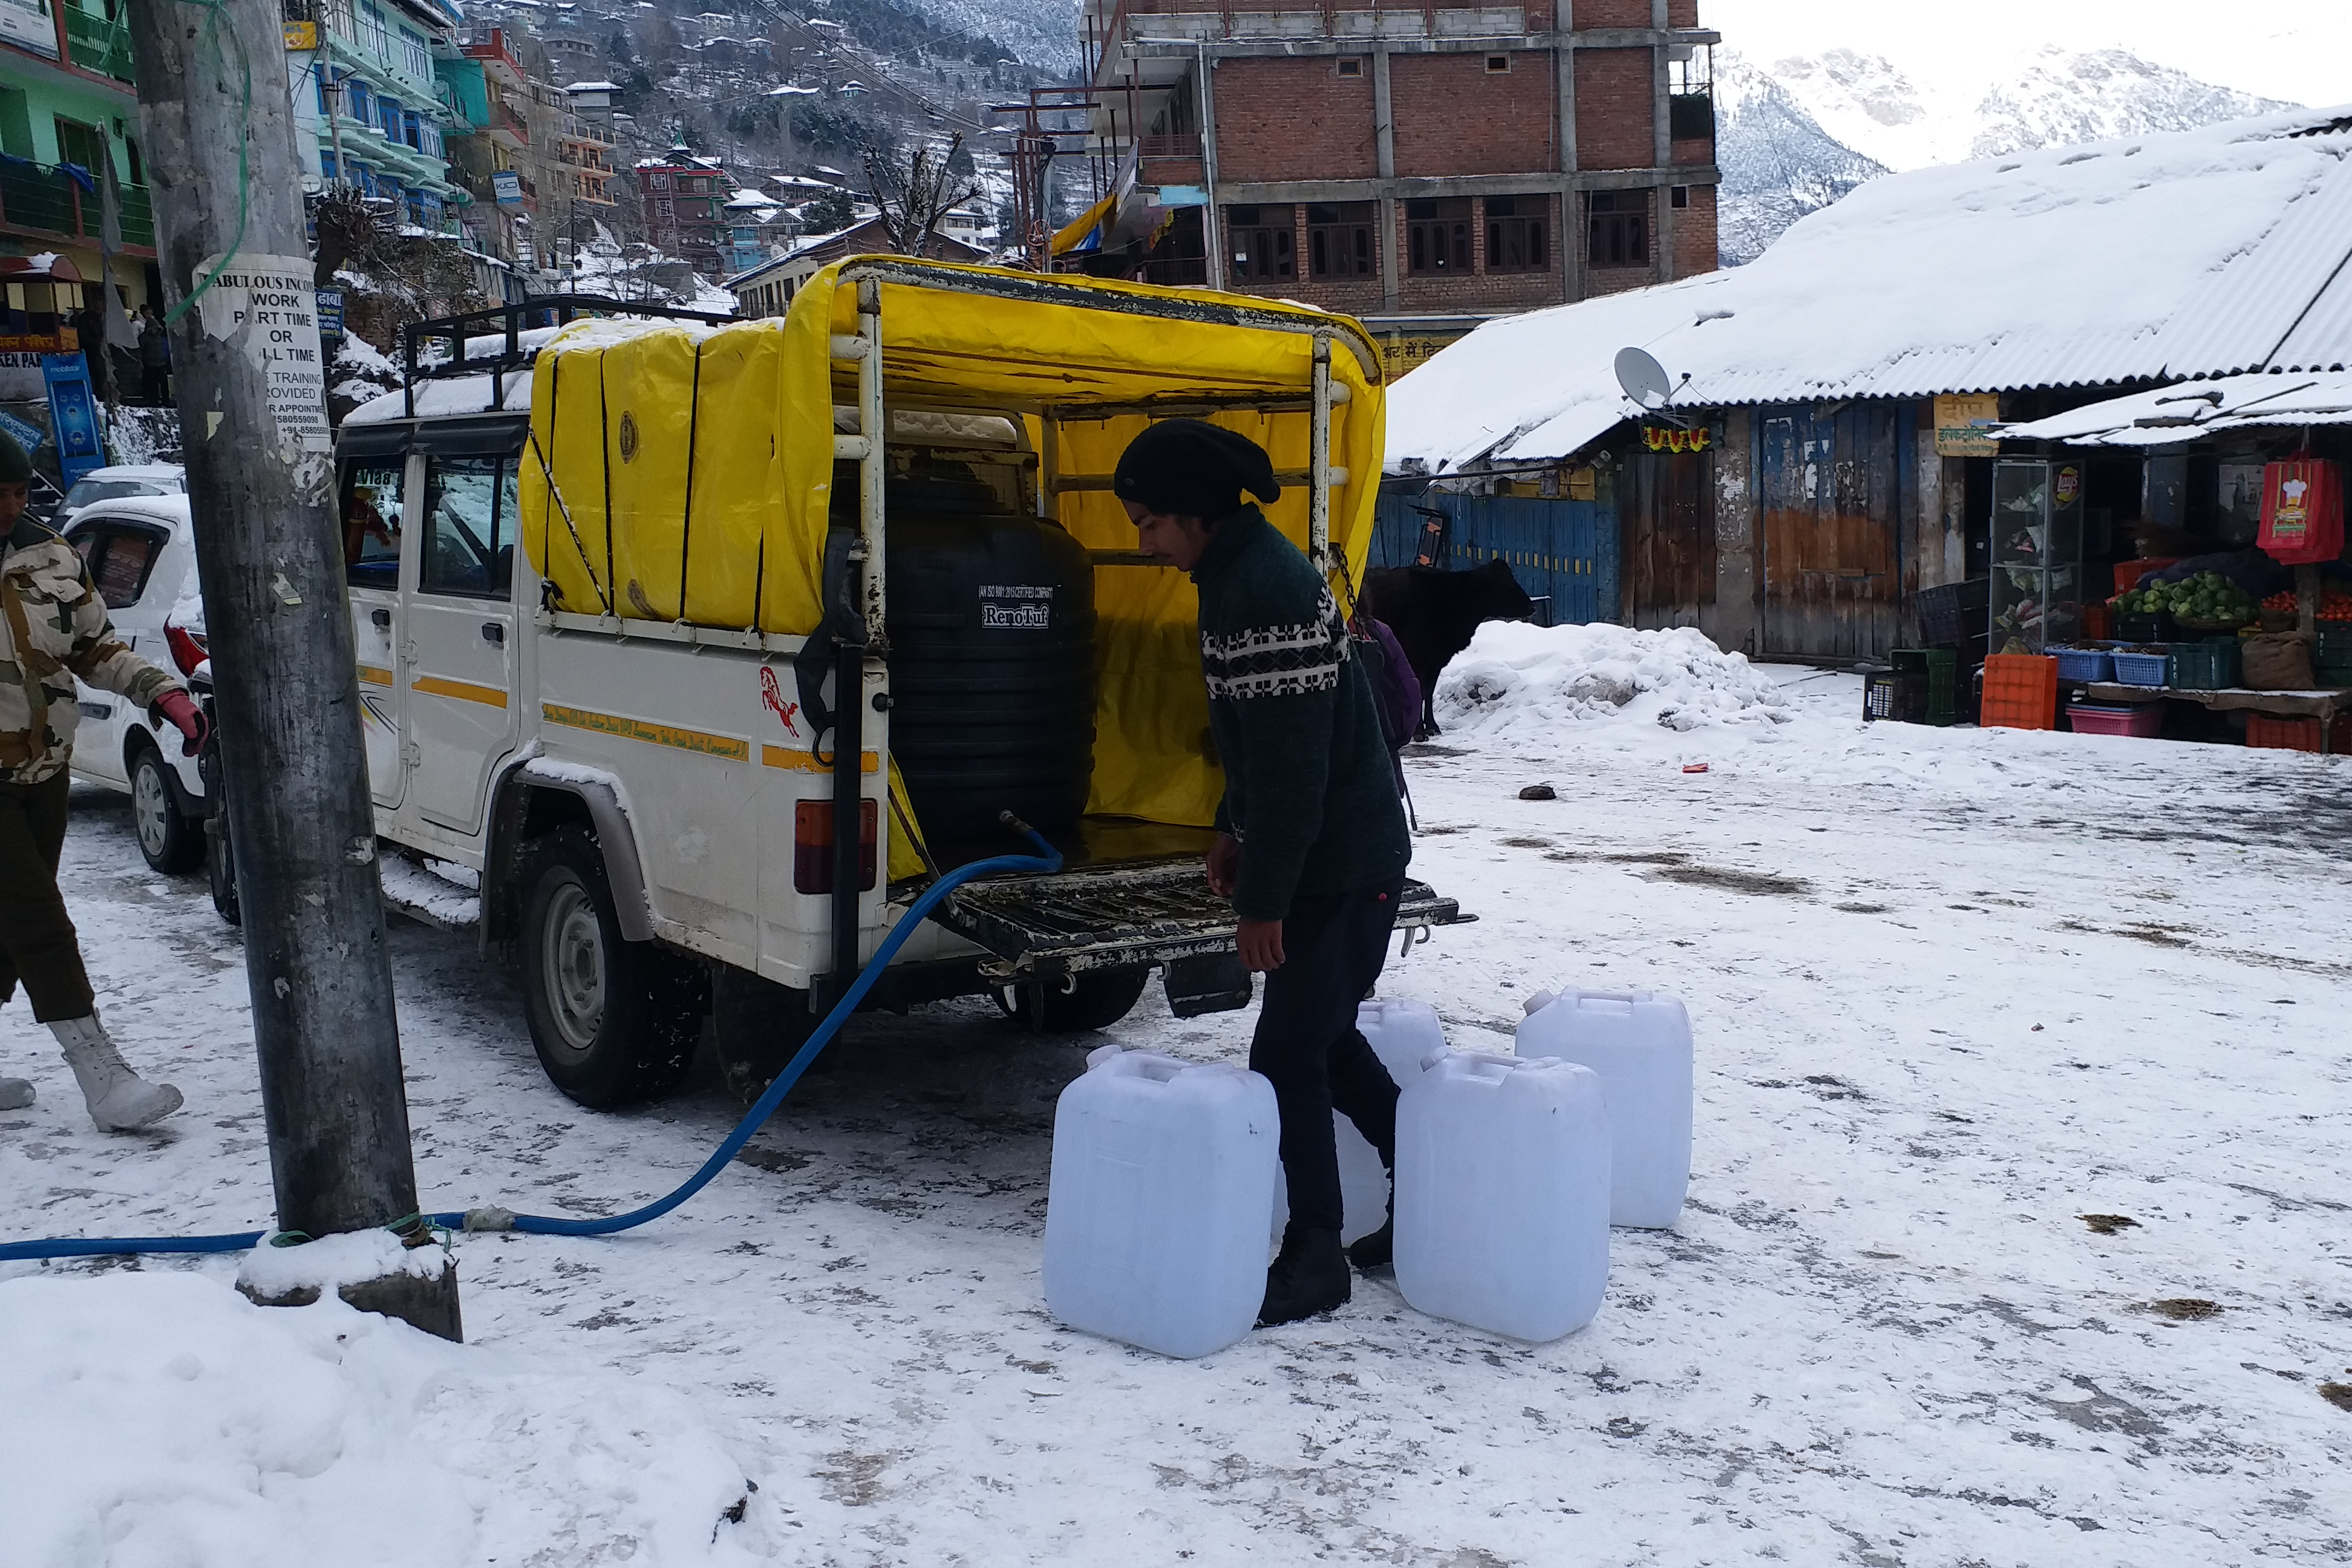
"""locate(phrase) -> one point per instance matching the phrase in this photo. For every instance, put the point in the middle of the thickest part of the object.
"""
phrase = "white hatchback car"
(142, 555)
(115, 483)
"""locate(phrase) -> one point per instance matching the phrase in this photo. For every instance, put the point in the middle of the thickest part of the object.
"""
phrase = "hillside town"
(1017, 782)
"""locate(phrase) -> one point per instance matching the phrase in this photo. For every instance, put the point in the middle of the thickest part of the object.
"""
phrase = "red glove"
(180, 712)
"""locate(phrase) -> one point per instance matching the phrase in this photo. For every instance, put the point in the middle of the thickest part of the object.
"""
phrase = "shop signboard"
(28, 26)
(331, 312)
(20, 378)
(27, 434)
(506, 185)
(303, 35)
(1962, 425)
(1401, 353)
(73, 414)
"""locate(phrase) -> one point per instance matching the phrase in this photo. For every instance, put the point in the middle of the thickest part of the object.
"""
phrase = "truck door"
(371, 493)
(458, 669)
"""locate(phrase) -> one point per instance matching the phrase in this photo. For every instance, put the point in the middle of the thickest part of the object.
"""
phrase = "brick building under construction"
(1423, 168)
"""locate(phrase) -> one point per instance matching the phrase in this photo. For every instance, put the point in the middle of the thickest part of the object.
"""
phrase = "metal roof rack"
(509, 321)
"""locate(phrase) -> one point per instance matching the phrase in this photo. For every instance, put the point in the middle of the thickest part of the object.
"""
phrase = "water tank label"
(1033, 609)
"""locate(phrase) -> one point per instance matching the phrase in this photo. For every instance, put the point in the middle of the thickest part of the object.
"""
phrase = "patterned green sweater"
(1307, 787)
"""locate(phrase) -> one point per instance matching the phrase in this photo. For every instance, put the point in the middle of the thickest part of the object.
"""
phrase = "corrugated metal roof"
(2171, 414)
(2151, 259)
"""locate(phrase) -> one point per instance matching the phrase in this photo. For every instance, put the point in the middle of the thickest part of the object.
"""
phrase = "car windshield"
(86, 491)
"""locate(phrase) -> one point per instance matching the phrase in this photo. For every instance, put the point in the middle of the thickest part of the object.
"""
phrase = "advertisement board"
(27, 24)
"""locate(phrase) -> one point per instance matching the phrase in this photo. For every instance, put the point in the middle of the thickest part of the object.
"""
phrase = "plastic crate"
(2021, 691)
(2268, 733)
(2083, 663)
(2129, 572)
(2142, 668)
(1939, 669)
(2334, 642)
(2143, 719)
(1893, 694)
(2157, 628)
(2332, 676)
(1950, 614)
(2205, 666)
(2098, 622)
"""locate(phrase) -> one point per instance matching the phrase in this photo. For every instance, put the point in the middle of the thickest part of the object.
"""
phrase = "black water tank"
(992, 627)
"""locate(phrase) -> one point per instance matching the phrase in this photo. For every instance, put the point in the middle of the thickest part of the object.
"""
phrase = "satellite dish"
(1644, 378)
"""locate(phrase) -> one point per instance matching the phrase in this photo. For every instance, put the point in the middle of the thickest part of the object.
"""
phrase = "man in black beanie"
(1311, 844)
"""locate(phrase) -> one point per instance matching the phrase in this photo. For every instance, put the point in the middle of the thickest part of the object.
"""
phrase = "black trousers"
(1308, 1047)
(37, 937)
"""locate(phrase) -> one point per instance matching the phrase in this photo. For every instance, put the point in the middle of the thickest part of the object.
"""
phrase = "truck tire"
(172, 845)
(1098, 999)
(613, 1021)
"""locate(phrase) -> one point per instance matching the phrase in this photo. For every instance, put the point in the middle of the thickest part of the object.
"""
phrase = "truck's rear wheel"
(613, 1021)
(1097, 1000)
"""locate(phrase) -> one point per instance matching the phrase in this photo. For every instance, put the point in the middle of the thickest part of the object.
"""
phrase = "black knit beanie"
(15, 469)
(1190, 467)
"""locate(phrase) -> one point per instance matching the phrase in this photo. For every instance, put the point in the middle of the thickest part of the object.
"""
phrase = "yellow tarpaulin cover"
(649, 427)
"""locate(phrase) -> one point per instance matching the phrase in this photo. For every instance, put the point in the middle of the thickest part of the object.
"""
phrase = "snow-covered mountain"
(1778, 162)
(1906, 118)
(1797, 133)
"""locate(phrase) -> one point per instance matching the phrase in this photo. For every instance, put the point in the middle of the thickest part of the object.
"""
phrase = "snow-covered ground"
(1953, 990)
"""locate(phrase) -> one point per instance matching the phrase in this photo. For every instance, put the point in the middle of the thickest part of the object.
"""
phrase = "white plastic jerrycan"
(1639, 1044)
(1502, 1197)
(1403, 1035)
(1155, 1214)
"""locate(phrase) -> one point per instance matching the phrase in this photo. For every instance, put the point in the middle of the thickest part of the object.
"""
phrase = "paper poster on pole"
(268, 307)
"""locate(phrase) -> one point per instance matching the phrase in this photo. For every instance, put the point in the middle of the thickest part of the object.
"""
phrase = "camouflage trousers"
(37, 937)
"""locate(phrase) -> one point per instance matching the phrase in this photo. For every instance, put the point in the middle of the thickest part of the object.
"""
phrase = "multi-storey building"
(685, 199)
(372, 61)
(1422, 167)
(65, 114)
(493, 158)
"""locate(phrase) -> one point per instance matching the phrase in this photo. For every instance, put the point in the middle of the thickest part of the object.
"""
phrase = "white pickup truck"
(639, 802)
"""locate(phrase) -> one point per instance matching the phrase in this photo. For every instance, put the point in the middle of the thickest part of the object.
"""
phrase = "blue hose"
(1046, 859)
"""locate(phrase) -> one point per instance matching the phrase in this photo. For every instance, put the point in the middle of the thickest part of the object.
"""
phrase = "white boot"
(14, 1094)
(120, 1100)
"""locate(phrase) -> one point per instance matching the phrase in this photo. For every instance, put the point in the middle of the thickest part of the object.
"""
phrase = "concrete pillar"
(1736, 532)
(1384, 127)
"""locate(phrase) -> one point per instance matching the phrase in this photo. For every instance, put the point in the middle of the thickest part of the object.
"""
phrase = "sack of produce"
(2277, 661)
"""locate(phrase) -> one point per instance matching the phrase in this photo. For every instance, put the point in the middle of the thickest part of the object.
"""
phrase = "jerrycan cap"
(1102, 1053)
(1536, 1003)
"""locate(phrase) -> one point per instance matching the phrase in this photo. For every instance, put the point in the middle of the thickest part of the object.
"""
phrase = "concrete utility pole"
(260, 463)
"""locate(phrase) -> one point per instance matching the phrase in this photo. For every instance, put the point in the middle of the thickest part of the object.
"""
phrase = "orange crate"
(2275, 734)
(2098, 622)
(2129, 572)
(2021, 691)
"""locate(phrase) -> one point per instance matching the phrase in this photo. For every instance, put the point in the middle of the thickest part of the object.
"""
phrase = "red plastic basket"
(2275, 734)
(2021, 691)
(2129, 572)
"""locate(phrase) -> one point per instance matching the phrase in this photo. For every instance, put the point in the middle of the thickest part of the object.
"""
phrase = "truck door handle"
(494, 632)
(382, 618)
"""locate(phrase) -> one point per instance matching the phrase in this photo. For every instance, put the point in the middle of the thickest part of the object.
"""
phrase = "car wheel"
(173, 844)
(1097, 1000)
(614, 1022)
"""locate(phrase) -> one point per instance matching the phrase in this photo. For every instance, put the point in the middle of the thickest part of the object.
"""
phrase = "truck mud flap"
(1113, 917)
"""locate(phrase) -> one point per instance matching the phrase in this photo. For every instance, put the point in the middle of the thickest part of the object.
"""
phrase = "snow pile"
(1521, 681)
(164, 1418)
(327, 1265)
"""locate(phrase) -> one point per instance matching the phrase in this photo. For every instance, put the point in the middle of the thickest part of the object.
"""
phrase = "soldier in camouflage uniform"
(53, 628)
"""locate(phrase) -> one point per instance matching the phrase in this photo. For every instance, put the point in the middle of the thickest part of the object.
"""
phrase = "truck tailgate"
(1110, 917)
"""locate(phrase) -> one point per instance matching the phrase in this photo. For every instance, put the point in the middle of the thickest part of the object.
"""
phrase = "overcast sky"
(2298, 50)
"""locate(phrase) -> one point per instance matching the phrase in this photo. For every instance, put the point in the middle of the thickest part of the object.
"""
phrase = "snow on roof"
(745, 197)
(792, 90)
(592, 87)
(2203, 253)
(452, 394)
(2184, 412)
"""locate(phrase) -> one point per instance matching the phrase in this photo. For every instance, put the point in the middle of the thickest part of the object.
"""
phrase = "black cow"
(1434, 612)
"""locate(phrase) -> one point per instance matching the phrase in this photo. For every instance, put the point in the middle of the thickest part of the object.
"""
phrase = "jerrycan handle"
(1627, 997)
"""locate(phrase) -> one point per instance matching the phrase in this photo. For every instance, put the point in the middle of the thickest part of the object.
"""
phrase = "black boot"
(1375, 1250)
(1308, 1275)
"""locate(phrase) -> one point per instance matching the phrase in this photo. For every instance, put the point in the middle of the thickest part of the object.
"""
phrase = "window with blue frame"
(411, 129)
(359, 103)
(327, 164)
(417, 208)
(318, 81)
(388, 116)
(433, 146)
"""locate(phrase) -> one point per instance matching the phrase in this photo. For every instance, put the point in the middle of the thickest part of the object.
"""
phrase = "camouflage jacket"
(53, 627)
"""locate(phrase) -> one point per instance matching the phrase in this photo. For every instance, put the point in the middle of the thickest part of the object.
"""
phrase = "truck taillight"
(813, 846)
(187, 649)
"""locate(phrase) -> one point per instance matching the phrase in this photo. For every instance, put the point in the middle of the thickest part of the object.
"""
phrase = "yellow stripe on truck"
(801, 761)
(372, 675)
(710, 745)
(463, 690)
